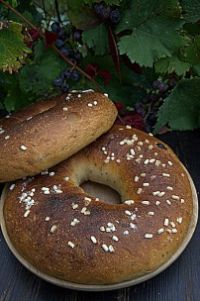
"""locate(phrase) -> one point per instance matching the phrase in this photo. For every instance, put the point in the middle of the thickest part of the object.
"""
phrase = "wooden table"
(180, 282)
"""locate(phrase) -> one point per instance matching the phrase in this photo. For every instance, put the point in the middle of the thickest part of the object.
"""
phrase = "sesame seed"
(97, 199)
(126, 232)
(93, 239)
(175, 197)
(150, 134)
(139, 190)
(155, 154)
(79, 95)
(157, 163)
(127, 212)
(105, 94)
(12, 186)
(102, 229)
(170, 163)
(161, 230)
(118, 160)
(27, 213)
(143, 174)
(174, 230)
(165, 174)
(148, 235)
(65, 109)
(146, 161)
(52, 173)
(71, 244)
(179, 220)
(136, 179)
(74, 222)
(115, 238)
(105, 247)
(169, 188)
(66, 178)
(7, 137)
(129, 202)
(90, 105)
(145, 184)
(128, 127)
(23, 147)
(111, 249)
(95, 102)
(133, 216)
(168, 202)
(162, 193)
(152, 160)
(83, 209)
(145, 202)
(155, 192)
(150, 147)
(132, 151)
(53, 228)
(151, 213)
(146, 140)
(166, 222)
(132, 226)
(47, 218)
(182, 201)
(157, 203)
(173, 224)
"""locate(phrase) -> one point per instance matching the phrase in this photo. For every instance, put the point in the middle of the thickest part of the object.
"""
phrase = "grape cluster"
(63, 43)
(107, 13)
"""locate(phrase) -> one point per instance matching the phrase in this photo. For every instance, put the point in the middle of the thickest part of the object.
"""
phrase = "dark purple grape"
(59, 43)
(55, 27)
(77, 35)
(139, 107)
(156, 84)
(172, 82)
(115, 16)
(163, 87)
(65, 51)
(58, 82)
(75, 75)
(65, 87)
(102, 10)
(67, 73)
(62, 34)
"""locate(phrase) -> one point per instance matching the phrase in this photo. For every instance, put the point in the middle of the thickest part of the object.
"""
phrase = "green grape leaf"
(80, 15)
(36, 78)
(172, 64)
(108, 2)
(12, 2)
(12, 47)
(181, 109)
(192, 52)
(191, 10)
(141, 11)
(97, 38)
(152, 40)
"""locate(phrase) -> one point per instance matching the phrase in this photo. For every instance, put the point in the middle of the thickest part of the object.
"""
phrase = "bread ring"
(66, 233)
(49, 132)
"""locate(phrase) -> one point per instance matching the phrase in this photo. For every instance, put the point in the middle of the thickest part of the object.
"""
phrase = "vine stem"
(68, 61)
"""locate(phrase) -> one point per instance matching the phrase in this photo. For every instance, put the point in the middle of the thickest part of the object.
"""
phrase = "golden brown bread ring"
(66, 233)
(49, 132)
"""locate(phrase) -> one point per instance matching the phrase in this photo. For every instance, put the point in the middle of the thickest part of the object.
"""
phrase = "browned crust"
(134, 255)
(52, 134)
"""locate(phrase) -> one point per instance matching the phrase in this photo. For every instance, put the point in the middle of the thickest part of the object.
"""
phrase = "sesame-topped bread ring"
(66, 233)
(50, 131)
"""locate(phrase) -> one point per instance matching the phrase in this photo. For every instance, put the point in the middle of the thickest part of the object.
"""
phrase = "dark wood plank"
(180, 282)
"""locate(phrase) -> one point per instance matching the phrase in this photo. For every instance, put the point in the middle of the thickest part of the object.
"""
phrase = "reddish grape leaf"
(50, 38)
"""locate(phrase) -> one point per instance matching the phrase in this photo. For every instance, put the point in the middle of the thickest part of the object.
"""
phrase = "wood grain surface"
(180, 282)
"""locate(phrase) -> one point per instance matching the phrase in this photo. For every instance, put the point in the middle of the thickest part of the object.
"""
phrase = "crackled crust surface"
(68, 234)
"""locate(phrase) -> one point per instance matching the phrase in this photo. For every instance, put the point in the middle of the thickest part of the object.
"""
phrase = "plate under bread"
(94, 287)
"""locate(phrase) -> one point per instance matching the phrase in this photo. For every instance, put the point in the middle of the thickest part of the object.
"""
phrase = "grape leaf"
(36, 78)
(12, 2)
(152, 40)
(191, 10)
(97, 38)
(141, 11)
(12, 48)
(81, 16)
(181, 108)
(172, 64)
(108, 2)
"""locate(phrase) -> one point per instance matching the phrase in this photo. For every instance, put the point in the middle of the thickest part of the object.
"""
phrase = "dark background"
(180, 282)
